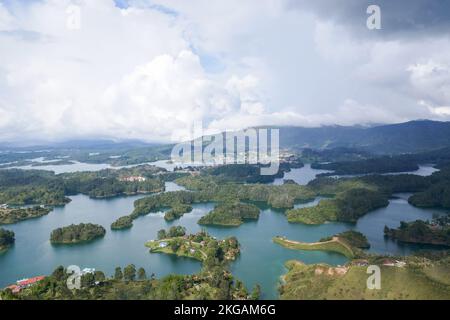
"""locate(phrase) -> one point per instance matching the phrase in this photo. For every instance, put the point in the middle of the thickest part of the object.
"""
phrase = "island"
(177, 211)
(6, 239)
(348, 243)
(230, 214)
(348, 206)
(72, 234)
(374, 165)
(13, 215)
(200, 246)
(132, 283)
(124, 222)
(435, 232)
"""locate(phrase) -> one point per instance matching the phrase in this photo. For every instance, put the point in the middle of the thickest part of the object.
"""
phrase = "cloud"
(149, 69)
(413, 18)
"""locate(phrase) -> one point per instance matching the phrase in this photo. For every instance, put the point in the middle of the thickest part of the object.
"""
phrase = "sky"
(149, 70)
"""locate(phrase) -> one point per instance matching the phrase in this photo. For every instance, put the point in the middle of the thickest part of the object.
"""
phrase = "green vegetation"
(177, 211)
(214, 281)
(12, 215)
(82, 232)
(243, 173)
(209, 284)
(173, 232)
(437, 194)
(124, 222)
(338, 154)
(348, 206)
(111, 183)
(196, 246)
(373, 165)
(206, 189)
(6, 239)
(415, 278)
(230, 214)
(436, 232)
(25, 187)
(354, 239)
(347, 243)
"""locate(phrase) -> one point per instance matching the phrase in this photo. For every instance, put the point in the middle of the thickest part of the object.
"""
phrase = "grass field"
(333, 245)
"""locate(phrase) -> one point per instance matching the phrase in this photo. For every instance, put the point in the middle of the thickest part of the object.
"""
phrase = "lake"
(261, 261)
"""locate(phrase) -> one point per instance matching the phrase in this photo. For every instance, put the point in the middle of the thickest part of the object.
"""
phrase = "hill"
(408, 137)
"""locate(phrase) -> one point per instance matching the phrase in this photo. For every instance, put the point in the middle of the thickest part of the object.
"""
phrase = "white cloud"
(142, 73)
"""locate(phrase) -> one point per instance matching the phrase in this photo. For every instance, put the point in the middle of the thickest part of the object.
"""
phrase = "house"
(400, 264)
(163, 244)
(25, 283)
(28, 282)
(14, 288)
(133, 179)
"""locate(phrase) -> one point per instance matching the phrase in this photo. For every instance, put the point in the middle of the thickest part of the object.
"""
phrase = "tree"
(175, 245)
(87, 280)
(99, 276)
(118, 275)
(256, 293)
(129, 272)
(162, 234)
(59, 273)
(141, 274)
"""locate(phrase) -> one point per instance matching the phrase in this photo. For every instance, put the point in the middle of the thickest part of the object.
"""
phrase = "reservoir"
(261, 261)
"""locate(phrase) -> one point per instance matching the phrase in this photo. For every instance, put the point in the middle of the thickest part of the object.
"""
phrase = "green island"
(204, 189)
(346, 207)
(198, 246)
(177, 211)
(124, 222)
(79, 233)
(246, 173)
(348, 243)
(6, 239)
(436, 232)
(351, 198)
(402, 278)
(213, 282)
(28, 187)
(130, 283)
(13, 215)
(230, 214)
(437, 193)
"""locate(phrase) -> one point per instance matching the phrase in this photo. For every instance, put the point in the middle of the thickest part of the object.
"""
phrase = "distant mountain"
(93, 144)
(408, 137)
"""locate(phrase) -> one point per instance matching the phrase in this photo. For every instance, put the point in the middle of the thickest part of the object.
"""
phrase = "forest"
(6, 239)
(82, 232)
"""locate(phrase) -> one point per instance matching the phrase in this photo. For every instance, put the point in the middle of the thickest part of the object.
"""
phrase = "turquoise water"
(261, 261)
